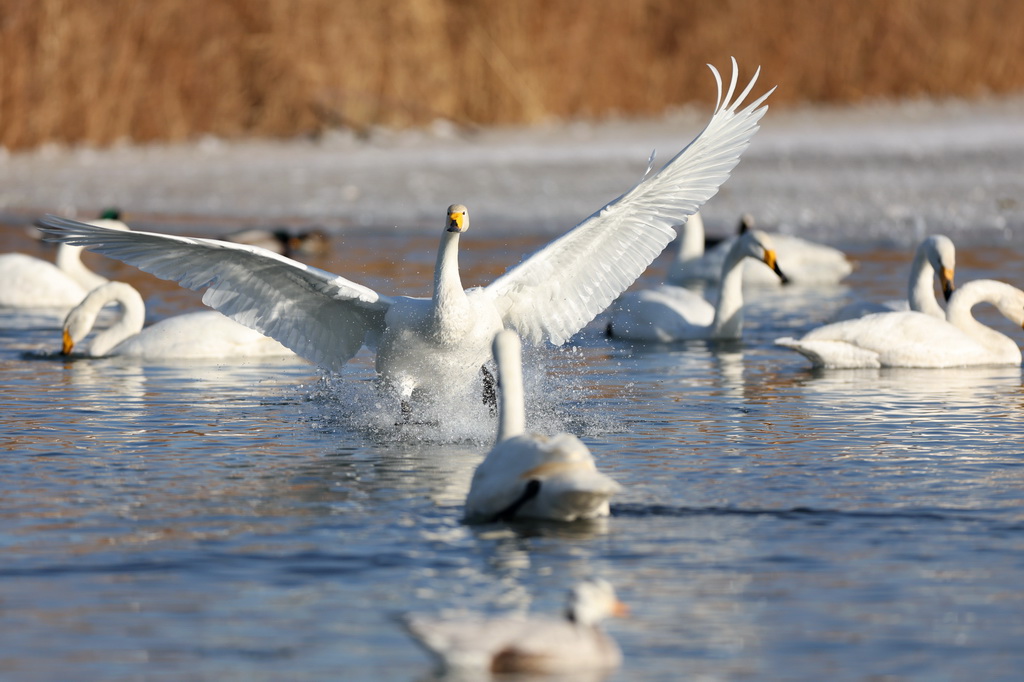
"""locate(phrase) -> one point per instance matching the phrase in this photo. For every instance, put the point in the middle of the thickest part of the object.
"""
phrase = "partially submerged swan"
(527, 644)
(531, 475)
(914, 339)
(435, 345)
(806, 262)
(29, 282)
(203, 334)
(935, 257)
(670, 313)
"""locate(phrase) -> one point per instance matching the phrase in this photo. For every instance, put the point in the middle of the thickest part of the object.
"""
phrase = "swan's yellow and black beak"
(68, 343)
(458, 218)
(620, 610)
(946, 280)
(770, 261)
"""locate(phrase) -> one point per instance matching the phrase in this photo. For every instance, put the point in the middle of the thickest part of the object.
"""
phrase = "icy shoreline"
(852, 175)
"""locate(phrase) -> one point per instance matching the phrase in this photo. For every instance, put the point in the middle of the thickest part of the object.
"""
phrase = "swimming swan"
(806, 262)
(670, 313)
(529, 475)
(29, 282)
(527, 644)
(914, 339)
(203, 334)
(934, 257)
(439, 343)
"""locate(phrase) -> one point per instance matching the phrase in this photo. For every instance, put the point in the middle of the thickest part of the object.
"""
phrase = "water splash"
(558, 399)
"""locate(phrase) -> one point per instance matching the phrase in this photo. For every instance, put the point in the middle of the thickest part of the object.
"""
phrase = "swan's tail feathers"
(581, 495)
(460, 645)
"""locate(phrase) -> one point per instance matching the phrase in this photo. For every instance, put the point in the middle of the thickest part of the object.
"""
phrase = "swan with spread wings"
(429, 345)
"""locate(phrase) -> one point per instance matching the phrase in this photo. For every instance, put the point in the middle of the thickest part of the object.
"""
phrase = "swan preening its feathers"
(529, 475)
(429, 345)
(203, 334)
(916, 339)
(670, 313)
(523, 644)
(29, 282)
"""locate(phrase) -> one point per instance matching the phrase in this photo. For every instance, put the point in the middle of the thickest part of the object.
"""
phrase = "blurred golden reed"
(97, 71)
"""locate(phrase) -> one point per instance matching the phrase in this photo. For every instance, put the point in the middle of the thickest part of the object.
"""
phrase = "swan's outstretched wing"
(322, 317)
(559, 289)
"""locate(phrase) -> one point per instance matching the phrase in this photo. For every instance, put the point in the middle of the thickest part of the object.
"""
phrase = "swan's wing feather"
(322, 317)
(555, 292)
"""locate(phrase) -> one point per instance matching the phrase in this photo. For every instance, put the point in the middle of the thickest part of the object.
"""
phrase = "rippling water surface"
(259, 521)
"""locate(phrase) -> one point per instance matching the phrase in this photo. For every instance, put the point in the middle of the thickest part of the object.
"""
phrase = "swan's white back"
(203, 334)
(29, 282)
(558, 470)
(915, 339)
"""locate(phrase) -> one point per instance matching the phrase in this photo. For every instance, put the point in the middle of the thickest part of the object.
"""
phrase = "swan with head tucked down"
(203, 334)
(574, 644)
(807, 262)
(29, 282)
(914, 339)
(432, 346)
(529, 475)
(670, 313)
(935, 257)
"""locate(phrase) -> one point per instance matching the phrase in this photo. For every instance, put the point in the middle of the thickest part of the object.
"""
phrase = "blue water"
(259, 521)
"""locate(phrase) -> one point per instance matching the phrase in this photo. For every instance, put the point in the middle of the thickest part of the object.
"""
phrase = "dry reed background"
(97, 71)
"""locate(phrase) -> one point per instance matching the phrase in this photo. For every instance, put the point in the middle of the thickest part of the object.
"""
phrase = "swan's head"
(757, 244)
(458, 218)
(942, 256)
(746, 224)
(592, 601)
(77, 326)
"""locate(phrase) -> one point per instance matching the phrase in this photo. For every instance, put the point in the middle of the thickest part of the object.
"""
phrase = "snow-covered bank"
(842, 175)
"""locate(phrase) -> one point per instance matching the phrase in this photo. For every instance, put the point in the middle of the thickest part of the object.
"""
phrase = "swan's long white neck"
(80, 321)
(450, 302)
(69, 260)
(728, 323)
(1008, 299)
(921, 286)
(692, 244)
(508, 353)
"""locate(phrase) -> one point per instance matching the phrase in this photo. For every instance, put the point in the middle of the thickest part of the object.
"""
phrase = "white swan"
(529, 475)
(670, 313)
(806, 262)
(29, 282)
(204, 334)
(435, 345)
(574, 644)
(914, 339)
(934, 257)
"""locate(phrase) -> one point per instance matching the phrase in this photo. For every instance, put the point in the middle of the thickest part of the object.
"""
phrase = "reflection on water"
(262, 521)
